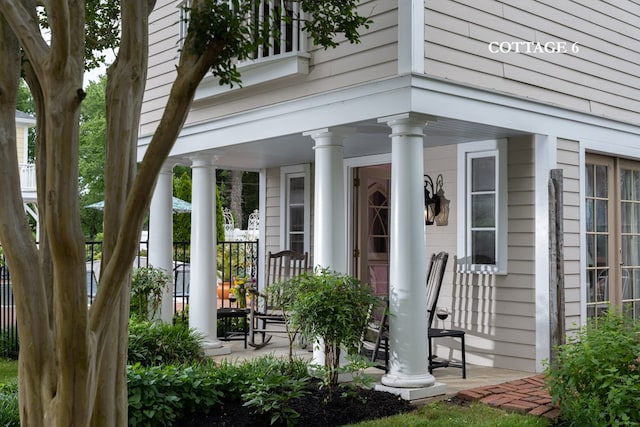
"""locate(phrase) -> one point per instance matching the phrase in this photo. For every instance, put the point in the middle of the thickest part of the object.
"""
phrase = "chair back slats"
(285, 264)
(435, 275)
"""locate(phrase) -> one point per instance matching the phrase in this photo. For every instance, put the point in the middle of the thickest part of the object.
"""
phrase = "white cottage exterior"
(487, 98)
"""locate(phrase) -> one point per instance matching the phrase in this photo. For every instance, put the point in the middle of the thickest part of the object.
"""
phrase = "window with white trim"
(295, 208)
(482, 197)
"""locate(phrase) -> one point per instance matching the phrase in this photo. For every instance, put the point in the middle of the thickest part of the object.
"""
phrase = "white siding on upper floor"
(602, 77)
(349, 64)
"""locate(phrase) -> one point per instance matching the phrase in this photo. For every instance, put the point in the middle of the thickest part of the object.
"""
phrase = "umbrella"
(179, 205)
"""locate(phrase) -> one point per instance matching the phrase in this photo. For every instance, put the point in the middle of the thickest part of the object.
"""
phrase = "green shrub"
(9, 408)
(595, 379)
(147, 287)
(272, 394)
(156, 343)
(9, 343)
(159, 395)
(334, 307)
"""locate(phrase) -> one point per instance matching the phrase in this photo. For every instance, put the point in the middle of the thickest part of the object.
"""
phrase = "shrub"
(159, 395)
(9, 409)
(155, 343)
(9, 343)
(334, 307)
(595, 379)
(147, 286)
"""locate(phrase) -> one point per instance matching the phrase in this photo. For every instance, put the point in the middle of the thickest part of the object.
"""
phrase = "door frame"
(350, 165)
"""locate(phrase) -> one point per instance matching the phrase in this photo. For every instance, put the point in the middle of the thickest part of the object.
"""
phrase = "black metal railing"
(235, 260)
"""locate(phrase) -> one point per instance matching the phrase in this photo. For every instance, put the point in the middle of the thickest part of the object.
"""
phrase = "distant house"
(25, 121)
(490, 99)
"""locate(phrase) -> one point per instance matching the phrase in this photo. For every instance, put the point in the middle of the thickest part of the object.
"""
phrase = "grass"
(439, 414)
(8, 370)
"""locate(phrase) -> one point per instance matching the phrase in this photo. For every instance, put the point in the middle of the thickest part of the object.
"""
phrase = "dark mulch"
(313, 408)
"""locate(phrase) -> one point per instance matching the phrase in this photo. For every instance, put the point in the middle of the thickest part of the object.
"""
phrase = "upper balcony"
(28, 182)
(277, 58)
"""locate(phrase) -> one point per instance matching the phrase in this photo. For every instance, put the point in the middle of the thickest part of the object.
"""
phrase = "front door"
(612, 200)
(371, 252)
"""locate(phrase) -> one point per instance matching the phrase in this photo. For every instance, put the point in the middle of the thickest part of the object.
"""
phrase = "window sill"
(257, 72)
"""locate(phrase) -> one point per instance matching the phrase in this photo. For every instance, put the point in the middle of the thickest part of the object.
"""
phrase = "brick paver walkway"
(526, 396)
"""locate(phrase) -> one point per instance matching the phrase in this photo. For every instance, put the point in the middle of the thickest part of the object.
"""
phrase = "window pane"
(296, 242)
(296, 190)
(591, 242)
(589, 183)
(296, 218)
(626, 217)
(602, 216)
(626, 184)
(602, 250)
(630, 253)
(602, 184)
(591, 286)
(590, 221)
(483, 247)
(483, 210)
(483, 174)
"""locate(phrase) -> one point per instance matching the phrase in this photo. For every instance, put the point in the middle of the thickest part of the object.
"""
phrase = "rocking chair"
(265, 314)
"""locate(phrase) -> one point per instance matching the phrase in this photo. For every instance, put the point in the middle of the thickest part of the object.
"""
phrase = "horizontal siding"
(602, 78)
(375, 57)
(272, 216)
(568, 155)
(497, 312)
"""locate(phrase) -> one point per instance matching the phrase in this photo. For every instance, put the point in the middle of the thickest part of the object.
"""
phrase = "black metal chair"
(434, 284)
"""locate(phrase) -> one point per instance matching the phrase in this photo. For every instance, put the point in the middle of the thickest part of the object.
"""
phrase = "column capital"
(322, 135)
(407, 123)
(203, 160)
(167, 168)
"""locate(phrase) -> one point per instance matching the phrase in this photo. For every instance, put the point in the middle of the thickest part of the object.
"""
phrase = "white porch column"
(161, 234)
(329, 208)
(408, 358)
(202, 294)
(329, 248)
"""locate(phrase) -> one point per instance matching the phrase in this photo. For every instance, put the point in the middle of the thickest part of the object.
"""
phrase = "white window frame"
(286, 174)
(467, 152)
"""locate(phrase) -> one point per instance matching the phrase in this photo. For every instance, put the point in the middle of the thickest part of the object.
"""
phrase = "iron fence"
(234, 259)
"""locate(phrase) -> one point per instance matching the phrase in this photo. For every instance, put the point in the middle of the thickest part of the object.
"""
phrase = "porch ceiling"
(366, 138)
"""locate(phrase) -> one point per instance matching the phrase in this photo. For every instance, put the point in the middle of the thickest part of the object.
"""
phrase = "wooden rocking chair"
(265, 315)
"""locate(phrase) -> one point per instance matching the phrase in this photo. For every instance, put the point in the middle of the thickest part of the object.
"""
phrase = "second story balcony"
(28, 181)
(283, 54)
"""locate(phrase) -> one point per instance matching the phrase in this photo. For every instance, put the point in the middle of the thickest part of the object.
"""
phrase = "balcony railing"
(281, 55)
(28, 177)
(290, 22)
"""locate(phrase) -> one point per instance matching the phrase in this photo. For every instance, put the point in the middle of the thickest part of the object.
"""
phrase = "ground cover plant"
(595, 379)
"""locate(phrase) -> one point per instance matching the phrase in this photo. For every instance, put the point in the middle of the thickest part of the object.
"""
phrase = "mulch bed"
(314, 408)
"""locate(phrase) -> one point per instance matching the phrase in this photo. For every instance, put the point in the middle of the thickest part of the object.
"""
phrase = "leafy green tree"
(75, 370)
(93, 133)
(182, 221)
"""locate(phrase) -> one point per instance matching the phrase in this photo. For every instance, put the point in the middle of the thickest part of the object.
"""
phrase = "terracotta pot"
(223, 290)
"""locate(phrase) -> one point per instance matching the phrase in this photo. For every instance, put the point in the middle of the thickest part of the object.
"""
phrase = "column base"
(215, 348)
(406, 393)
